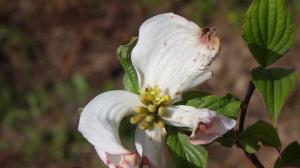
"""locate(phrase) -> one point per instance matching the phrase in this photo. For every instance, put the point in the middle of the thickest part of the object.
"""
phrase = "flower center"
(153, 109)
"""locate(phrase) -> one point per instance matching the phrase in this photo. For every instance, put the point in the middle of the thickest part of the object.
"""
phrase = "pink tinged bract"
(99, 123)
(118, 161)
(172, 53)
(205, 125)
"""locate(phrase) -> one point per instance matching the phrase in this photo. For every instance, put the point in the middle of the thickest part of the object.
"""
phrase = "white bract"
(171, 56)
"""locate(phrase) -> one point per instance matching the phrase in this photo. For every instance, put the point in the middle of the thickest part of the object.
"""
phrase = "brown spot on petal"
(205, 30)
(208, 37)
(203, 127)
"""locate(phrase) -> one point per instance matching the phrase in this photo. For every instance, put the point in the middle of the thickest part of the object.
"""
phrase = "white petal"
(173, 53)
(150, 143)
(114, 161)
(100, 119)
(206, 125)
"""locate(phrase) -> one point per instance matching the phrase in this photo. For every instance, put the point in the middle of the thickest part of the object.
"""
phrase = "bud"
(141, 110)
(150, 118)
(137, 118)
(162, 111)
(160, 124)
(165, 99)
(144, 125)
(152, 108)
(145, 100)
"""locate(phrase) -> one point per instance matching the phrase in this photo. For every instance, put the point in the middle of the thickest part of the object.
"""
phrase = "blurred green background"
(56, 55)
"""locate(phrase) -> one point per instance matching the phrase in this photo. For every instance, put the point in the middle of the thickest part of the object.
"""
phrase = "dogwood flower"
(172, 56)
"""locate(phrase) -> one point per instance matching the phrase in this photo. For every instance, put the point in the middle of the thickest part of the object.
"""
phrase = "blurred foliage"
(199, 10)
(41, 92)
(36, 115)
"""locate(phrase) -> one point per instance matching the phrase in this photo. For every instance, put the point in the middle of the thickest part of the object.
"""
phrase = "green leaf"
(269, 30)
(228, 139)
(128, 85)
(290, 157)
(124, 56)
(275, 85)
(227, 105)
(194, 94)
(126, 133)
(259, 132)
(183, 152)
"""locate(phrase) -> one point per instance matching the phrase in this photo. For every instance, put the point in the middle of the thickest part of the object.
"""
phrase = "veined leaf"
(259, 132)
(290, 157)
(183, 152)
(275, 85)
(128, 84)
(227, 105)
(124, 56)
(269, 30)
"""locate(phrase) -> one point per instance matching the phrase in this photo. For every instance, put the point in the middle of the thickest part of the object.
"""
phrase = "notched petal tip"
(128, 160)
(208, 36)
(145, 163)
(210, 129)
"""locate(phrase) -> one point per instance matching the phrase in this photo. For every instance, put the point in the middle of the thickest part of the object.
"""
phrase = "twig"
(244, 105)
(254, 160)
(244, 108)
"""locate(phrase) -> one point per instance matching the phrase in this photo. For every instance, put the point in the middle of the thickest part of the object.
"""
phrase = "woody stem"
(244, 108)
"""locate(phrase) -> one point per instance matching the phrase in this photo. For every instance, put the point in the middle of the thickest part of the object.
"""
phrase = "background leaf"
(228, 139)
(227, 105)
(130, 79)
(275, 85)
(183, 152)
(259, 132)
(269, 30)
(290, 157)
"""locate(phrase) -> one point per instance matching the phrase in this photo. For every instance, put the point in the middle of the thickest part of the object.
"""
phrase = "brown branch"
(244, 105)
(244, 108)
